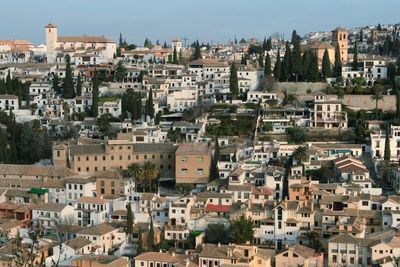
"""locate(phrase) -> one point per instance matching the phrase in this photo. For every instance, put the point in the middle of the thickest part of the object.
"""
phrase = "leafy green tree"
(326, 65)
(391, 73)
(355, 57)
(68, 83)
(79, 85)
(242, 230)
(136, 171)
(233, 81)
(297, 135)
(387, 144)
(277, 67)
(104, 124)
(120, 72)
(217, 233)
(267, 65)
(397, 91)
(300, 154)
(128, 103)
(243, 60)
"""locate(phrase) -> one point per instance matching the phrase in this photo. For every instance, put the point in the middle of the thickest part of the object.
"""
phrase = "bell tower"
(51, 42)
(340, 40)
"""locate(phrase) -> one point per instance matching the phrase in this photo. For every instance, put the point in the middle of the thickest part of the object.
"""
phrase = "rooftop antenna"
(185, 39)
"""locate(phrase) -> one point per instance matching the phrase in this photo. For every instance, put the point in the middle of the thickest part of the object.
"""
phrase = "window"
(200, 159)
(200, 171)
(184, 171)
(334, 258)
(184, 159)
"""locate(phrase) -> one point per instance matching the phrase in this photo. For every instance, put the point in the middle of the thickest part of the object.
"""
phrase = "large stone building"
(84, 45)
(110, 154)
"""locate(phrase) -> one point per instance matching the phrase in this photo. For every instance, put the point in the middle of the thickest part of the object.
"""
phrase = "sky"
(206, 20)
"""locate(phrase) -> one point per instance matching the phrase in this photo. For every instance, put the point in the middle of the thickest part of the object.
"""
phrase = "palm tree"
(377, 96)
(135, 170)
(300, 154)
(150, 172)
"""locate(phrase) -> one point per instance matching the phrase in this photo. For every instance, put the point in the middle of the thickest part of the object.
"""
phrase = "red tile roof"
(218, 208)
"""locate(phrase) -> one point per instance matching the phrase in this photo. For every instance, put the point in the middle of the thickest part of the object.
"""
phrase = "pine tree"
(355, 57)
(277, 67)
(387, 144)
(175, 57)
(95, 95)
(326, 65)
(79, 85)
(267, 65)
(68, 84)
(233, 81)
(338, 62)
(150, 105)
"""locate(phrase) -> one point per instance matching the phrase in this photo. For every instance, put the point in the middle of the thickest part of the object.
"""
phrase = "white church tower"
(51, 42)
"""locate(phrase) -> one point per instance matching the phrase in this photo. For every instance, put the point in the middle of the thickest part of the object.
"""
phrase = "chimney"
(187, 262)
(219, 244)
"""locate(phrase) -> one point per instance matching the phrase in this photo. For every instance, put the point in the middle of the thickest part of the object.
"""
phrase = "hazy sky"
(206, 20)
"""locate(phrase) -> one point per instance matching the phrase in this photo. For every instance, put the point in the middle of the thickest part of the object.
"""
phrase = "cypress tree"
(95, 95)
(297, 63)
(150, 105)
(79, 85)
(397, 90)
(243, 60)
(197, 51)
(361, 36)
(8, 82)
(56, 84)
(138, 107)
(3, 87)
(338, 62)
(267, 65)
(150, 235)
(68, 84)
(277, 67)
(140, 243)
(355, 57)
(233, 81)
(326, 65)
(387, 144)
(269, 44)
(120, 72)
(286, 64)
(261, 60)
(175, 57)
(313, 70)
(129, 221)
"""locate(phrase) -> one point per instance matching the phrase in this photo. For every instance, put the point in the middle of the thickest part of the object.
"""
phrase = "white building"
(51, 214)
(182, 99)
(327, 113)
(113, 108)
(378, 141)
(9, 102)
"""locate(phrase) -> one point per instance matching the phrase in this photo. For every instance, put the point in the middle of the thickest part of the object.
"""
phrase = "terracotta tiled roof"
(94, 200)
(218, 208)
(98, 230)
(84, 39)
(78, 242)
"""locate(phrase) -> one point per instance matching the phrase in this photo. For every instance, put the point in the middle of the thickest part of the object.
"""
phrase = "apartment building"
(378, 141)
(193, 163)
(327, 113)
